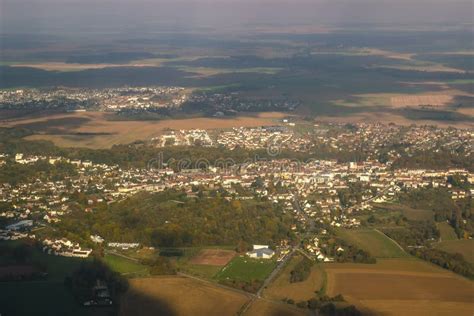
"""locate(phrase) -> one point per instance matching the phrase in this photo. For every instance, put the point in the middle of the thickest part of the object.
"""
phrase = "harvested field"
(61, 66)
(179, 296)
(213, 257)
(94, 130)
(392, 285)
(417, 100)
(281, 288)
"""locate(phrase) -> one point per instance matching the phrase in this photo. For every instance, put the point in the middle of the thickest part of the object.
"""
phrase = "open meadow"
(465, 247)
(125, 266)
(401, 287)
(373, 241)
(446, 231)
(411, 214)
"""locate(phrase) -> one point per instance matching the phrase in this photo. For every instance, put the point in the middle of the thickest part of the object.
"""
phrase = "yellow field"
(179, 296)
(266, 308)
(417, 100)
(94, 130)
(281, 287)
(60, 66)
(401, 287)
(173, 295)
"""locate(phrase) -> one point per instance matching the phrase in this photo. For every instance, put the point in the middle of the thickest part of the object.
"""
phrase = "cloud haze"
(75, 15)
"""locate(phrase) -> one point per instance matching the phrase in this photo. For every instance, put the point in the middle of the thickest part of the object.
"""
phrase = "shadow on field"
(135, 303)
(58, 125)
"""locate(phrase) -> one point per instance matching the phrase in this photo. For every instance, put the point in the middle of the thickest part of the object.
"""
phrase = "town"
(318, 193)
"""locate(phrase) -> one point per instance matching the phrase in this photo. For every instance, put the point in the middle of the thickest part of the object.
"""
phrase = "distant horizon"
(71, 16)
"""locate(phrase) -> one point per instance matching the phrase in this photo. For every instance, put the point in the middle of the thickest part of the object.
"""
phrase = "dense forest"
(169, 219)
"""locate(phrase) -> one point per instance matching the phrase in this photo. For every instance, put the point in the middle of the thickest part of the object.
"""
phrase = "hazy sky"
(90, 15)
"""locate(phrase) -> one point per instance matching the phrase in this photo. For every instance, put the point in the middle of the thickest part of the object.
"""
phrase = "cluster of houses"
(316, 249)
(193, 137)
(123, 245)
(108, 99)
(263, 137)
(64, 247)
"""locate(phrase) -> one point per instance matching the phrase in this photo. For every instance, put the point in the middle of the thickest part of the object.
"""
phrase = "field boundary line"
(396, 243)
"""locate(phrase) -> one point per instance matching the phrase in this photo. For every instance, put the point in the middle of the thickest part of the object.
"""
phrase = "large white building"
(261, 252)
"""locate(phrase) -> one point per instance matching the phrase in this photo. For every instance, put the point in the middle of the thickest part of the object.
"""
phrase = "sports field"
(242, 268)
(402, 287)
(373, 241)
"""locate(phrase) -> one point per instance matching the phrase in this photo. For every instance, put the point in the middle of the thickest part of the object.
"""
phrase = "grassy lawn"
(201, 270)
(446, 232)
(124, 265)
(410, 213)
(464, 247)
(242, 268)
(376, 243)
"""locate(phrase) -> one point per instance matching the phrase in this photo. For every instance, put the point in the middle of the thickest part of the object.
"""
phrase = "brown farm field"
(213, 257)
(95, 130)
(281, 288)
(401, 287)
(179, 296)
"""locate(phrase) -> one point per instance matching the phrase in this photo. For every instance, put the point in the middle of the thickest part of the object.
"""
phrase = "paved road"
(282, 263)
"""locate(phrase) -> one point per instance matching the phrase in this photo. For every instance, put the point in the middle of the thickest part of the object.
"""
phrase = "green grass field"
(464, 247)
(375, 242)
(242, 268)
(200, 270)
(446, 232)
(125, 266)
(410, 213)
